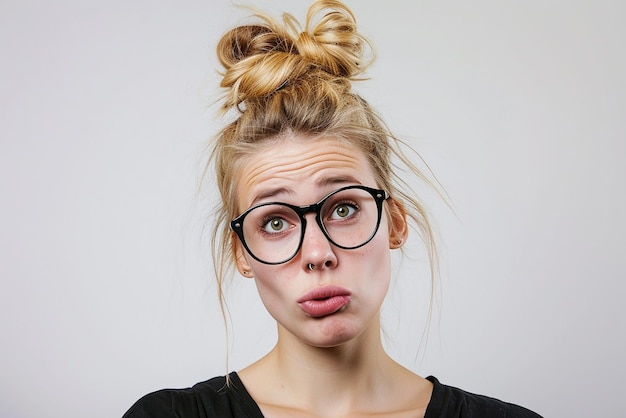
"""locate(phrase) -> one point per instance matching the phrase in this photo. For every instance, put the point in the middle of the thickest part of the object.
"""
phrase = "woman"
(311, 209)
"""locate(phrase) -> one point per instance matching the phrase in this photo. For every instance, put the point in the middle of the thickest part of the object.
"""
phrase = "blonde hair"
(279, 80)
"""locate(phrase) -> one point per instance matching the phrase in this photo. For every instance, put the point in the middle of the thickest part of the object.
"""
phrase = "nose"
(316, 251)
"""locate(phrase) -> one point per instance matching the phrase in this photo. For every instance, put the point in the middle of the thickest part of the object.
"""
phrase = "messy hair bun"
(262, 58)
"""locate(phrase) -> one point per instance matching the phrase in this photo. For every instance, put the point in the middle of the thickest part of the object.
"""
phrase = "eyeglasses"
(273, 232)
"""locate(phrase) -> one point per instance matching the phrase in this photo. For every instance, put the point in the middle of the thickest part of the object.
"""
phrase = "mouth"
(324, 301)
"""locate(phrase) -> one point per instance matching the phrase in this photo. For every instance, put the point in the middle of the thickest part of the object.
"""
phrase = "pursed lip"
(324, 301)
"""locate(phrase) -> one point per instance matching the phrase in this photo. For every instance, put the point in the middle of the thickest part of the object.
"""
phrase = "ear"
(398, 226)
(240, 258)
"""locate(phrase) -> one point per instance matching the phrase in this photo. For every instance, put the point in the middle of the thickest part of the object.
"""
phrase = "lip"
(324, 301)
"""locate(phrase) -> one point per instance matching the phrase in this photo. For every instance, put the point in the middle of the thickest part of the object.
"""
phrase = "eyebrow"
(330, 181)
(270, 192)
(323, 182)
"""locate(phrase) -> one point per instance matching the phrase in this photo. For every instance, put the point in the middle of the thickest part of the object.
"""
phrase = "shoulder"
(208, 399)
(448, 401)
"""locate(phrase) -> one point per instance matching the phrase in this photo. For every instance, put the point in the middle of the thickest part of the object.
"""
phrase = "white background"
(107, 293)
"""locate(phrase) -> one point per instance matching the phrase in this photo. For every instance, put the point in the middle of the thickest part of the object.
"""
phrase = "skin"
(333, 366)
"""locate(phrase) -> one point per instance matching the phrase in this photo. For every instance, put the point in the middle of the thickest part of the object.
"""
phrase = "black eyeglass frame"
(379, 195)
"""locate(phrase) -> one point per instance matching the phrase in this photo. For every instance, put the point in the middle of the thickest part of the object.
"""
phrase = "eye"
(274, 225)
(343, 211)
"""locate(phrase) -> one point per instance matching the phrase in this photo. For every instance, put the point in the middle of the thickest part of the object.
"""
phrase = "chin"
(332, 332)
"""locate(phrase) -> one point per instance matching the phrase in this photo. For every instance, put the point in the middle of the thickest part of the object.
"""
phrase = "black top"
(212, 399)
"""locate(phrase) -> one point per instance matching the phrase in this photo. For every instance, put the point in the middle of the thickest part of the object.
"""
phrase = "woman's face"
(340, 297)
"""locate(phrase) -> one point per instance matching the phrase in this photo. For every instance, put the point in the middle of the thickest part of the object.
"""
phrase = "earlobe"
(398, 227)
(240, 259)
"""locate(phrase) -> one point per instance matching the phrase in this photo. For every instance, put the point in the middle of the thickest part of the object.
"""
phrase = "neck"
(341, 378)
(301, 361)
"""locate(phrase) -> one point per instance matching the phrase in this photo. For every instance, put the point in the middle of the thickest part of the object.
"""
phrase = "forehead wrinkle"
(300, 167)
(276, 170)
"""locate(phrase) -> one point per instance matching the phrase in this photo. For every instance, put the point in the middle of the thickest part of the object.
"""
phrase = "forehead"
(300, 167)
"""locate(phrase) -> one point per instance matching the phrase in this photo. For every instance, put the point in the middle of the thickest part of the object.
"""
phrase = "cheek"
(375, 263)
(378, 249)
(269, 286)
